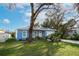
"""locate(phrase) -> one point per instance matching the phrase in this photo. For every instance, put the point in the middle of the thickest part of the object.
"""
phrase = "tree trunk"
(31, 30)
(30, 35)
(34, 15)
(31, 23)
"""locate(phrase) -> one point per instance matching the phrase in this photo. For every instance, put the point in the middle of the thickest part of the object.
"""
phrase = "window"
(24, 34)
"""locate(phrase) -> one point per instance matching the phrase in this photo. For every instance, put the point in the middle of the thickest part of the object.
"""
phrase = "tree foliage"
(35, 10)
(76, 6)
(55, 20)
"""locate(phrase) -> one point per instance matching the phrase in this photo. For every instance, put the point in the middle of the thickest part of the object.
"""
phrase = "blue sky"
(14, 18)
(19, 16)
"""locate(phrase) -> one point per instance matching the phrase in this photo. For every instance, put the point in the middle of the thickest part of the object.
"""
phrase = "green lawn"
(38, 48)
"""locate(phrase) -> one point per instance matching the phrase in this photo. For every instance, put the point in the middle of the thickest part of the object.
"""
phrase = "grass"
(38, 48)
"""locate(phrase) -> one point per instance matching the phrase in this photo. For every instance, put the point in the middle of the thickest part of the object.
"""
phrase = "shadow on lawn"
(37, 48)
(42, 49)
(9, 51)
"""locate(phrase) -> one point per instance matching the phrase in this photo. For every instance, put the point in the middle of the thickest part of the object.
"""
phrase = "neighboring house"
(4, 35)
(23, 33)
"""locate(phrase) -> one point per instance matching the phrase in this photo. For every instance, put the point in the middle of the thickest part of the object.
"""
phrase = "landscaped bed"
(37, 48)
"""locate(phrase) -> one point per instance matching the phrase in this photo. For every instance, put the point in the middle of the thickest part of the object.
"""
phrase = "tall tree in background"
(66, 27)
(46, 23)
(56, 19)
(76, 6)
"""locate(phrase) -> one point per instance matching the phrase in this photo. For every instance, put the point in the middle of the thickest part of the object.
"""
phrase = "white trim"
(24, 32)
(16, 34)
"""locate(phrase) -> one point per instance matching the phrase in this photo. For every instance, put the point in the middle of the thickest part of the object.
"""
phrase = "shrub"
(11, 40)
(39, 38)
(55, 35)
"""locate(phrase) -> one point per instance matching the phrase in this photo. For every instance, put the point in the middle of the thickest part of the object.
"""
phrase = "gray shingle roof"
(35, 28)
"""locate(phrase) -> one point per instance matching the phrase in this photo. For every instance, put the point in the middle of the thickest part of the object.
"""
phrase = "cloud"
(19, 5)
(25, 20)
(40, 18)
(22, 5)
(6, 21)
(27, 14)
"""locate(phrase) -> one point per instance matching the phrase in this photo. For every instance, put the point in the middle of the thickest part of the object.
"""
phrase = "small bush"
(55, 35)
(11, 40)
(39, 38)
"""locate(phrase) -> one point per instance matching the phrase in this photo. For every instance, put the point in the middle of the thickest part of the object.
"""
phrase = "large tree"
(35, 10)
(34, 13)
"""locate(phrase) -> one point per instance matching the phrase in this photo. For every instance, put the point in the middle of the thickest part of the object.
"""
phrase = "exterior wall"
(40, 33)
(2, 31)
(9, 35)
(24, 35)
(21, 35)
(37, 33)
(77, 30)
(4, 37)
(34, 34)
(48, 32)
(18, 35)
(44, 33)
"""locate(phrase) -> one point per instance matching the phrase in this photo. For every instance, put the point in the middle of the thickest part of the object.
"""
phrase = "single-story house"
(23, 33)
(4, 35)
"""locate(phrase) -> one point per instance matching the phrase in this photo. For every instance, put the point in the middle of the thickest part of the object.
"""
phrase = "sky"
(19, 16)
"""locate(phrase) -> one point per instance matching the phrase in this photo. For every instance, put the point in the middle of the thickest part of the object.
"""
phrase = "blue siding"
(19, 35)
(27, 34)
(44, 33)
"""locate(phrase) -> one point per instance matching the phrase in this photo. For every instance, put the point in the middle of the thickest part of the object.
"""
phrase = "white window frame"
(24, 37)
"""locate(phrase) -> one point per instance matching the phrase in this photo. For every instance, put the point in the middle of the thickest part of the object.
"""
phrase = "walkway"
(70, 41)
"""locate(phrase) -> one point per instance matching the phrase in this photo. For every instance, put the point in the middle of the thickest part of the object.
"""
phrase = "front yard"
(38, 48)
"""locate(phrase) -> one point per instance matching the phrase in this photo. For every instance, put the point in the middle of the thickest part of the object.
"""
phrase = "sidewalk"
(70, 41)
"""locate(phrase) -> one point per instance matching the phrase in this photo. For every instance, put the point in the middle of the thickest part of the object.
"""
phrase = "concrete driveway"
(70, 41)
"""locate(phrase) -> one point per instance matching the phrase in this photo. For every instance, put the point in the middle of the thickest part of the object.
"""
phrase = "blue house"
(23, 33)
